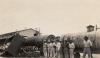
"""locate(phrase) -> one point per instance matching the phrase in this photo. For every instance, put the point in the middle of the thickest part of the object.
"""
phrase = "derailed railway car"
(20, 39)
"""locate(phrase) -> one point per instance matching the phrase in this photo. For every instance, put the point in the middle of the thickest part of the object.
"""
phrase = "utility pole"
(97, 27)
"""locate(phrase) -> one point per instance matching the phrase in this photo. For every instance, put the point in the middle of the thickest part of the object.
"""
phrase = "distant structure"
(90, 28)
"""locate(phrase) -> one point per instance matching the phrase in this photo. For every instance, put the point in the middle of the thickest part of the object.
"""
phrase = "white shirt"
(50, 45)
(71, 46)
(54, 44)
(45, 45)
(58, 45)
(87, 43)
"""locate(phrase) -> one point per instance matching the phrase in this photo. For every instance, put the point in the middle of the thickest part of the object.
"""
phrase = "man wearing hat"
(87, 47)
(71, 48)
(58, 46)
(45, 48)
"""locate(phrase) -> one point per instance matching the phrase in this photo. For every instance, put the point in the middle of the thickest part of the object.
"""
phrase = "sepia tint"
(50, 28)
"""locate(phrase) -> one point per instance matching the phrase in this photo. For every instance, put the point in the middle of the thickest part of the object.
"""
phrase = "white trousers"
(51, 52)
(71, 53)
(45, 52)
(87, 51)
(58, 53)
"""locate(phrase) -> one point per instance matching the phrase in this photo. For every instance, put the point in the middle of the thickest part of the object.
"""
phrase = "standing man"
(49, 46)
(45, 48)
(87, 47)
(58, 46)
(71, 48)
(53, 49)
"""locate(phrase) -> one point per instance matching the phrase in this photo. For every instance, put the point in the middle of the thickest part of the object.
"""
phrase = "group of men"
(52, 48)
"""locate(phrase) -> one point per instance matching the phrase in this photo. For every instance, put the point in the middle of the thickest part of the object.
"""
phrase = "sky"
(50, 16)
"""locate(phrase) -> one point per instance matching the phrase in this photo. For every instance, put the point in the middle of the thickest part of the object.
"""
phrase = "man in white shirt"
(49, 46)
(58, 46)
(71, 49)
(87, 47)
(45, 48)
(51, 51)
